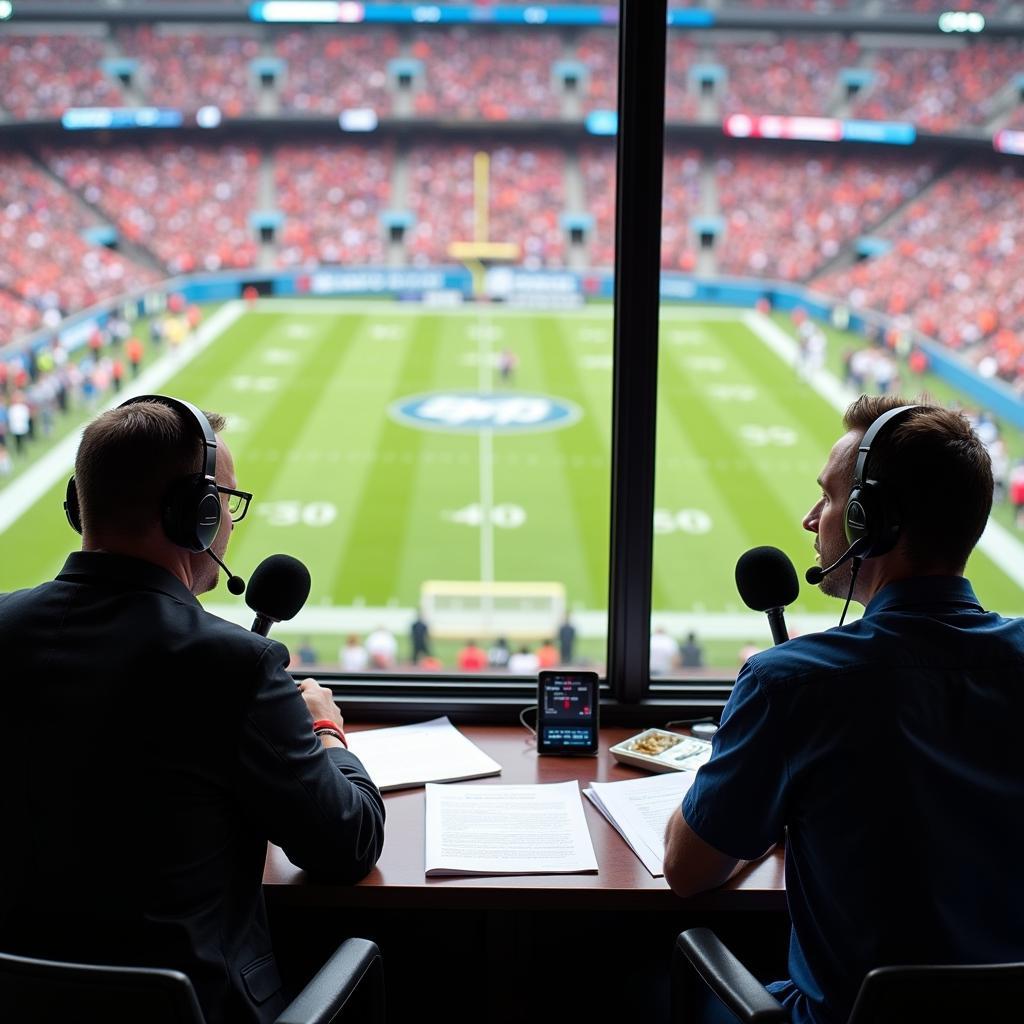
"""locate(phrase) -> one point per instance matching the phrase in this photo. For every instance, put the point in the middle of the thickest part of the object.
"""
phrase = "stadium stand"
(496, 76)
(955, 270)
(189, 205)
(190, 70)
(29, 86)
(599, 54)
(597, 167)
(940, 90)
(332, 197)
(527, 194)
(679, 205)
(681, 100)
(791, 75)
(326, 72)
(46, 262)
(788, 214)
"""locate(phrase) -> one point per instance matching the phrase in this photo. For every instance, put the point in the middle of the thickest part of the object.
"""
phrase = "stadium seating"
(940, 90)
(332, 197)
(327, 71)
(488, 74)
(527, 196)
(955, 270)
(188, 205)
(44, 260)
(41, 75)
(791, 75)
(788, 215)
(191, 69)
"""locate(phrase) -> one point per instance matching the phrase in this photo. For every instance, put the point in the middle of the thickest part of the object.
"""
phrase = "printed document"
(507, 830)
(639, 810)
(411, 755)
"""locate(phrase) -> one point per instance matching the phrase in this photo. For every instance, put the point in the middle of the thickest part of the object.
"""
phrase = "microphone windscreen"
(236, 585)
(765, 578)
(814, 575)
(278, 587)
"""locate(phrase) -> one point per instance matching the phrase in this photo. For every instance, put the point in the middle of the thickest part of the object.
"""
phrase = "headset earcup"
(191, 513)
(871, 519)
(71, 506)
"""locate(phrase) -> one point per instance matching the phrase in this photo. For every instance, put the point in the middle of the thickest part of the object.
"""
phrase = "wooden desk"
(623, 883)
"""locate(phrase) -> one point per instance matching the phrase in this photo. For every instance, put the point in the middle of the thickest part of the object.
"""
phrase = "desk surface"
(622, 883)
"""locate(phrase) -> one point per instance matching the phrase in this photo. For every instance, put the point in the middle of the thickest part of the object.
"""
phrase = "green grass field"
(375, 506)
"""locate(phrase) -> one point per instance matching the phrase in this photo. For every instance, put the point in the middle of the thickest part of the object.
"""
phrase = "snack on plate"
(655, 743)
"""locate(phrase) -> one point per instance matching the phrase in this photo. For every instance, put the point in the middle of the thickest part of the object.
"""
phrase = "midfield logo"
(469, 411)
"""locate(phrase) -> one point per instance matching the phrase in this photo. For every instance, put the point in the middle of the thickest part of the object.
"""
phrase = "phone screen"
(567, 712)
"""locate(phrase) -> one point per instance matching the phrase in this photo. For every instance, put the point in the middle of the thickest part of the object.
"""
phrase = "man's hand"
(320, 702)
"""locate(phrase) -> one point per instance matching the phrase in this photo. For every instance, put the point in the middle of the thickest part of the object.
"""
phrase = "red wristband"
(326, 725)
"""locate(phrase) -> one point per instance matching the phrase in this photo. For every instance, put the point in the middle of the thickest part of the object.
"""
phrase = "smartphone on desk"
(567, 712)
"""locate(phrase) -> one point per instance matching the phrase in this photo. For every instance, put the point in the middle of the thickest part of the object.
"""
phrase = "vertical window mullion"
(640, 156)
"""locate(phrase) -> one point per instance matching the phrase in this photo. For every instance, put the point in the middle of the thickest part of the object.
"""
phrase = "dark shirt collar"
(945, 592)
(101, 567)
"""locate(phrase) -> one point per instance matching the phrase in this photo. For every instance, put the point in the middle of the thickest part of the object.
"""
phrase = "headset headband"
(864, 450)
(189, 412)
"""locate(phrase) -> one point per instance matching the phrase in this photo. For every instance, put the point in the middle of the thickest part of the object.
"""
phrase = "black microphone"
(816, 573)
(278, 588)
(767, 582)
(236, 585)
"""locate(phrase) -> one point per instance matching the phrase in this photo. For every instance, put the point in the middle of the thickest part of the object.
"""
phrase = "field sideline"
(385, 448)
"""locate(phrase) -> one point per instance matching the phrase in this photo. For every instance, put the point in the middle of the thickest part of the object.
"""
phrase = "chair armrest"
(700, 953)
(353, 963)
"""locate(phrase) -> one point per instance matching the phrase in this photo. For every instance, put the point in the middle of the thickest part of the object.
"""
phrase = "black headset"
(872, 517)
(190, 510)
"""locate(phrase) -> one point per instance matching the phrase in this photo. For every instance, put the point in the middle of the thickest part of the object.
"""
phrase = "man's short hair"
(127, 460)
(936, 470)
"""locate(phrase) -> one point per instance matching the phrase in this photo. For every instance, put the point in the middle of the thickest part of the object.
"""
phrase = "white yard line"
(997, 542)
(56, 465)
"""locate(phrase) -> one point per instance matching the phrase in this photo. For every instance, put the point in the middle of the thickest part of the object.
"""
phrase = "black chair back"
(50, 992)
(992, 993)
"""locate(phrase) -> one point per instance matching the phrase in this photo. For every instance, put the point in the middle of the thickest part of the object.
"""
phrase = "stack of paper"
(639, 810)
(507, 830)
(411, 755)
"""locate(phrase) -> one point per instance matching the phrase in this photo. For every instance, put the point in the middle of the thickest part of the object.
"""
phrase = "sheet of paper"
(507, 830)
(411, 755)
(639, 810)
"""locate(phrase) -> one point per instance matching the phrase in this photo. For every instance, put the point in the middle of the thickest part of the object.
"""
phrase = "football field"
(385, 447)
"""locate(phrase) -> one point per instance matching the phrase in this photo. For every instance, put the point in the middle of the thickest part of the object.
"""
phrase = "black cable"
(853, 580)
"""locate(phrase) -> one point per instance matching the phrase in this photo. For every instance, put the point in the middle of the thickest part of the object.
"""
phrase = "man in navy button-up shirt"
(886, 751)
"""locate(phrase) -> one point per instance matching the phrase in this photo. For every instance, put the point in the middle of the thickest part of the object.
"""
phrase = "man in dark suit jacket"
(149, 750)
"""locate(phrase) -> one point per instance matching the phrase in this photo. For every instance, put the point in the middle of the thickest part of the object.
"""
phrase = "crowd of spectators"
(41, 384)
(940, 90)
(327, 72)
(189, 205)
(789, 75)
(488, 74)
(484, 73)
(955, 270)
(787, 214)
(41, 75)
(680, 203)
(190, 69)
(597, 168)
(332, 198)
(681, 91)
(527, 197)
(47, 268)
